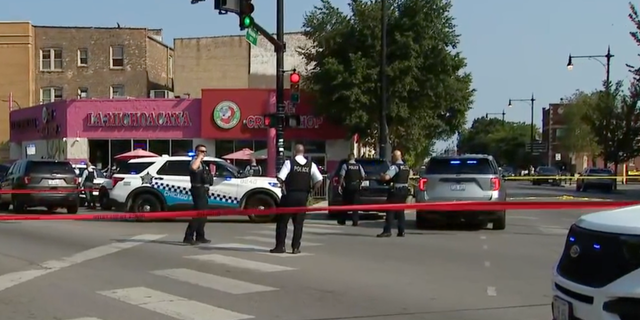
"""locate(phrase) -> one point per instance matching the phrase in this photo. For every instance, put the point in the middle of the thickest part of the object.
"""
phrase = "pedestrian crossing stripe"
(172, 306)
(251, 248)
(211, 281)
(89, 318)
(240, 263)
(289, 234)
(272, 240)
(321, 230)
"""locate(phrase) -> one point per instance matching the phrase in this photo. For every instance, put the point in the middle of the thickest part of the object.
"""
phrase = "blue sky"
(514, 47)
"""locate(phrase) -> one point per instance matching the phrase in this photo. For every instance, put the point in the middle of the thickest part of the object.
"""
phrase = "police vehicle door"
(224, 191)
(172, 180)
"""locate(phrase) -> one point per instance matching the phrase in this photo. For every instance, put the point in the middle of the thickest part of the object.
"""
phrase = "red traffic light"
(267, 121)
(294, 77)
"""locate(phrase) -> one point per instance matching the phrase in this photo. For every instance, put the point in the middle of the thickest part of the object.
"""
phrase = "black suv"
(38, 176)
(373, 191)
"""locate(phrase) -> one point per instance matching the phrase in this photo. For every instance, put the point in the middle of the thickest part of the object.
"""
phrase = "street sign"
(252, 36)
(538, 147)
(558, 156)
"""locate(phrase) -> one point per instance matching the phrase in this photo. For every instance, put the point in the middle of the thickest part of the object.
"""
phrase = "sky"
(514, 48)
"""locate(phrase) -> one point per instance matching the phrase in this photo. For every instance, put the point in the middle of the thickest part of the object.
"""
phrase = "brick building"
(40, 64)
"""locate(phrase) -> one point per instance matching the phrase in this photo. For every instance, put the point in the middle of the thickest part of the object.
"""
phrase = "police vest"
(401, 178)
(201, 177)
(255, 170)
(299, 177)
(353, 175)
(91, 176)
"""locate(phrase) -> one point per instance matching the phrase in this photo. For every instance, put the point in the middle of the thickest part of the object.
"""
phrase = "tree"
(576, 136)
(504, 140)
(429, 91)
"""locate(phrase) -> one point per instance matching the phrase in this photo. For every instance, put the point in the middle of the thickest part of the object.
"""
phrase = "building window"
(50, 59)
(170, 67)
(83, 57)
(50, 94)
(117, 57)
(83, 93)
(117, 91)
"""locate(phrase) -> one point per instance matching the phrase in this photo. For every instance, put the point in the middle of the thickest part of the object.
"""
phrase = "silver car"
(461, 178)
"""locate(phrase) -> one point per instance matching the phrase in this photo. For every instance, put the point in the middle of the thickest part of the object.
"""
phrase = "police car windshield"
(459, 166)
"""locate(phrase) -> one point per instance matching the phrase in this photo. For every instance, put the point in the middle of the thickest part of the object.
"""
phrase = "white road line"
(240, 263)
(89, 318)
(487, 264)
(483, 237)
(172, 306)
(271, 240)
(15, 278)
(289, 234)
(256, 249)
(485, 247)
(491, 291)
(318, 230)
(554, 230)
(522, 217)
(212, 281)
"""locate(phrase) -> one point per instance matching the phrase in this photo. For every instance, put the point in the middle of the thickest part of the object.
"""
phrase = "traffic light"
(272, 120)
(294, 78)
(292, 121)
(246, 10)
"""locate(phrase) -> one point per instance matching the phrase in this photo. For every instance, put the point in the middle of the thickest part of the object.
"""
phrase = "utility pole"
(280, 106)
(383, 127)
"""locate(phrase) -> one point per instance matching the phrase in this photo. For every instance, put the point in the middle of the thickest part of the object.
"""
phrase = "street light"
(531, 100)
(606, 64)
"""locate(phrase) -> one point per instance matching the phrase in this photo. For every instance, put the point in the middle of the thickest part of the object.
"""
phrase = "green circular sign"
(226, 115)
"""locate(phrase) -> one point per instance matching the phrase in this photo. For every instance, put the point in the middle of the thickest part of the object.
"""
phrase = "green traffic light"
(246, 21)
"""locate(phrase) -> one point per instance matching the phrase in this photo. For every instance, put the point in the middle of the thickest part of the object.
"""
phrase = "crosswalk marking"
(87, 318)
(319, 229)
(251, 248)
(240, 263)
(212, 281)
(172, 306)
(271, 240)
(289, 233)
(554, 230)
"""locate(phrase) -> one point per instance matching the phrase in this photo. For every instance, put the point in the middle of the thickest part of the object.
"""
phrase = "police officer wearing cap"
(297, 177)
(351, 177)
(398, 177)
(201, 178)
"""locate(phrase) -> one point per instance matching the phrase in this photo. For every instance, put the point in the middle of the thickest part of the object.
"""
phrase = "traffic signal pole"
(280, 106)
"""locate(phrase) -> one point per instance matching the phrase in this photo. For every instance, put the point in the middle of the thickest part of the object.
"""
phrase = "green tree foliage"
(504, 140)
(429, 91)
(576, 136)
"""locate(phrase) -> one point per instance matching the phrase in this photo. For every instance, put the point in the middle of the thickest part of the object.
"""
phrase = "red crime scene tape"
(30, 191)
(434, 206)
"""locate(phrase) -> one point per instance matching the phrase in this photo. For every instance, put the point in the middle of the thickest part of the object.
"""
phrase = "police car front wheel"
(260, 201)
(146, 203)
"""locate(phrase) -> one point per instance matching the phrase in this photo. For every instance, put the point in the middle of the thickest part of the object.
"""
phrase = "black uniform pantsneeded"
(200, 180)
(352, 182)
(297, 187)
(398, 194)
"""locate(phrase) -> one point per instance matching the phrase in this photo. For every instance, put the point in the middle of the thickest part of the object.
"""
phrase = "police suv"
(598, 274)
(162, 184)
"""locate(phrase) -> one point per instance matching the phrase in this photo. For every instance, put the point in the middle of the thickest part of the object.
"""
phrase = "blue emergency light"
(191, 154)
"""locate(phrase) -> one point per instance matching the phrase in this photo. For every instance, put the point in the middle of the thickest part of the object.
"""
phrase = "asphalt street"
(102, 270)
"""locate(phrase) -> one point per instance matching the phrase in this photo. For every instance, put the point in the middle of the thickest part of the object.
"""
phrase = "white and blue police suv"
(598, 274)
(162, 184)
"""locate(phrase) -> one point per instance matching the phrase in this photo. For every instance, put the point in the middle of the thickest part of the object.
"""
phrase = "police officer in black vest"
(201, 178)
(88, 177)
(253, 169)
(398, 177)
(297, 177)
(351, 177)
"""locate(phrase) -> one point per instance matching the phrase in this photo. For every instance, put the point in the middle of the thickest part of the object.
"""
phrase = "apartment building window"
(117, 57)
(50, 59)
(83, 57)
(170, 66)
(83, 93)
(50, 94)
(117, 91)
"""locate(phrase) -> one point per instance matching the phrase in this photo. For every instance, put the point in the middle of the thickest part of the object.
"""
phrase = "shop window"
(311, 146)
(119, 147)
(160, 147)
(224, 147)
(99, 153)
(181, 147)
(140, 144)
(175, 168)
(260, 145)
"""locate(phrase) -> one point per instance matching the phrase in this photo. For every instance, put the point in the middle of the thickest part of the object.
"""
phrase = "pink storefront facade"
(98, 130)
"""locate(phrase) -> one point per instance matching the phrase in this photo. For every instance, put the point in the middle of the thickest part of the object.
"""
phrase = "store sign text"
(306, 122)
(139, 119)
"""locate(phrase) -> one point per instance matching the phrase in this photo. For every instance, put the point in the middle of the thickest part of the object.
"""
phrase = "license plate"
(54, 182)
(561, 308)
(458, 187)
(365, 183)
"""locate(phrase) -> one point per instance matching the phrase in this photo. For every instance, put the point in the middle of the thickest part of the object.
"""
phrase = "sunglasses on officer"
(204, 151)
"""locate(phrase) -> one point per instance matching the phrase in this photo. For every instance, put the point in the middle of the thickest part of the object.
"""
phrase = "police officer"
(398, 177)
(351, 177)
(201, 178)
(296, 178)
(253, 169)
(88, 177)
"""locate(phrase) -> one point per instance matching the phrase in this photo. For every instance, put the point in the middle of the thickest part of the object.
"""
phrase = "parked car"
(546, 175)
(373, 190)
(596, 178)
(38, 176)
(461, 178)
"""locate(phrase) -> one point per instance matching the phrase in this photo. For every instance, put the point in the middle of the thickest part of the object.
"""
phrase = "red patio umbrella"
(138, 153)
(244, 154)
